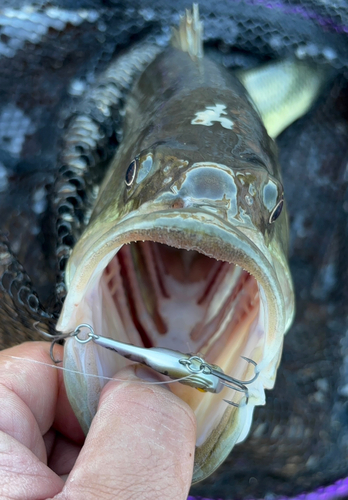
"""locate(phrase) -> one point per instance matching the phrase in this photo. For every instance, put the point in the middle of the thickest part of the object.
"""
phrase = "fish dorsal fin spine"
(188, 37)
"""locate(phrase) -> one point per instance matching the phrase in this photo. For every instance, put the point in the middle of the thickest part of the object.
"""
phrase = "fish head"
(246, 191)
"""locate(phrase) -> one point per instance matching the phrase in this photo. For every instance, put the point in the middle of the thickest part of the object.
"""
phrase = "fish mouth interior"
(155, 295)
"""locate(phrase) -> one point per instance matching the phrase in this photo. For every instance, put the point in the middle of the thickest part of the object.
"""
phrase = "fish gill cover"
(51, 55)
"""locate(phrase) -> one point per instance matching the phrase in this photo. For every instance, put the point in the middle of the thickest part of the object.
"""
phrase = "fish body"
(186, 247)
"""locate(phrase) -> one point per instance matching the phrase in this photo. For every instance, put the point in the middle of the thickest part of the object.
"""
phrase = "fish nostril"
(178, 203)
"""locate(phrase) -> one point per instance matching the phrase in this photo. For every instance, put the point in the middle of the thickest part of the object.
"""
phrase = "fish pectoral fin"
(283, 91)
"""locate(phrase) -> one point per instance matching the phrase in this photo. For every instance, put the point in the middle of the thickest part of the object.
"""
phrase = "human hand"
(140, 445)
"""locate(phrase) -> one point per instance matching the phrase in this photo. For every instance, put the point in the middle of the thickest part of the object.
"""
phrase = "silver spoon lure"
(187, 369)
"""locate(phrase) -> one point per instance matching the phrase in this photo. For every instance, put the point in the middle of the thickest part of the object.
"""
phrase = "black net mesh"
(52, 53)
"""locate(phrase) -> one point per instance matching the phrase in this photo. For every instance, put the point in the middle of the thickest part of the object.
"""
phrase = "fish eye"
(276, 211)
(131, 173)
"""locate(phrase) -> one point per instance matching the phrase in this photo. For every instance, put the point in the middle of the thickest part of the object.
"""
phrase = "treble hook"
(55, 339)
(235, 384)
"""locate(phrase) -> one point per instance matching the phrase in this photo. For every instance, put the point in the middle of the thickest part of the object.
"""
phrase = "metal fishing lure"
(187, 369)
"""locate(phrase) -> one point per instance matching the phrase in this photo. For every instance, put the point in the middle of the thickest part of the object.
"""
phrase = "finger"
(28, 392)
(22, 475)
(33, 396)
(141, 444)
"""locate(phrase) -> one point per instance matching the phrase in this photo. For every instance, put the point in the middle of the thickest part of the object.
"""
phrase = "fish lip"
(99, 247)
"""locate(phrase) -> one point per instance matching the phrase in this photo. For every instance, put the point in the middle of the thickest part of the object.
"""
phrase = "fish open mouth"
(155, 286)
(182, 300)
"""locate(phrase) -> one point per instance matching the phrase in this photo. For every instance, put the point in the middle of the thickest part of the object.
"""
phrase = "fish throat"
(180, 299)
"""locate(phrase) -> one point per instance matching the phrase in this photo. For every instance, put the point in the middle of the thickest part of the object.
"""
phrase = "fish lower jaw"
(151, 294)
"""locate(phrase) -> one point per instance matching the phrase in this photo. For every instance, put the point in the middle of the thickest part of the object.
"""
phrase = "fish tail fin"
(188, 37)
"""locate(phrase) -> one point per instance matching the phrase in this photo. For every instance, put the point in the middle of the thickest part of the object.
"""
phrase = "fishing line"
(92, 375)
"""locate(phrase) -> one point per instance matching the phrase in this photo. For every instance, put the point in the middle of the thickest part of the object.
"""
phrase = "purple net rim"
(335, 491)
(326, 23)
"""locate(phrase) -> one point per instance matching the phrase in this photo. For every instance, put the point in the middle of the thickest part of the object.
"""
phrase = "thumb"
(140, 445)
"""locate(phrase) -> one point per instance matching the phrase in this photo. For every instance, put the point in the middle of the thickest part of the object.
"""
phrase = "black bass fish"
(187, 244)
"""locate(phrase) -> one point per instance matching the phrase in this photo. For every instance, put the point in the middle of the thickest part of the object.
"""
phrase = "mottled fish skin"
(202, 175)
(198, 114)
